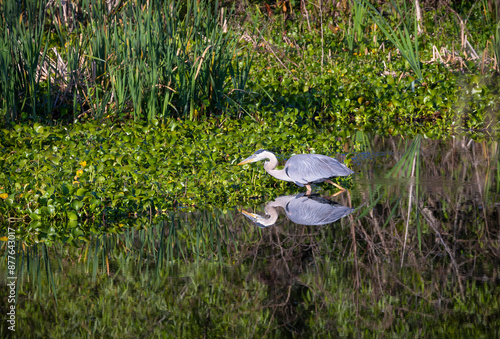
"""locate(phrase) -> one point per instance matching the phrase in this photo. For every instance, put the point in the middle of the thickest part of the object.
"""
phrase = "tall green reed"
(24, 48)
(401, 36)
(408, 166)
(145, 59)
(179, 61)
(496, 45)
(355, 30)
(33, 264)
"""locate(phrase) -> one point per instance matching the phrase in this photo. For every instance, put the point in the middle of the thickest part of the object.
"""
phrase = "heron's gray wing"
(313, 168)
(307, 211)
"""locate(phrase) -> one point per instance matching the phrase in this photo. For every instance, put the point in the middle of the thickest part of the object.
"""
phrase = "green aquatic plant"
(409, 166)
(91, 171)
(400, 37)
(496, 44)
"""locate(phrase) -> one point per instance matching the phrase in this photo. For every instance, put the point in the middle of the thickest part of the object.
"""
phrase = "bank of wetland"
(123, 124)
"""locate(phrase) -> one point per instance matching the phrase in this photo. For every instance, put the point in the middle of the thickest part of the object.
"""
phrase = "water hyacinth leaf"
(10, 200)
(81, 192)
(76, 232)
(72, 215)
(65, 189)
(77, 205)
(51, 209)
(44, 211)
(35, 215)
(38, 128)
(55, 160)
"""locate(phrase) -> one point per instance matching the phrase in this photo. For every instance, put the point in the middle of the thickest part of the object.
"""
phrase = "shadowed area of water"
(414, 250)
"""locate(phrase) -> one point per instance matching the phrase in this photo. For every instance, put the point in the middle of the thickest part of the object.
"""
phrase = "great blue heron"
(302, 169)
(301, 209)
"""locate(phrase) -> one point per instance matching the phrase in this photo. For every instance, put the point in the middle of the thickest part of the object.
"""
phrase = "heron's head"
(257, 156)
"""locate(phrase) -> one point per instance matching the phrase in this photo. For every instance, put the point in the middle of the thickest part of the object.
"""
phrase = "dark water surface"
(415, 253)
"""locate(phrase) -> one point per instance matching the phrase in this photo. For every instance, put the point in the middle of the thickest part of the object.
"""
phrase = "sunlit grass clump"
(92, 59)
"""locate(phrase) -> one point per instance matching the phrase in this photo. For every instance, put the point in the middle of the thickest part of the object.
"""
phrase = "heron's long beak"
(247, 160)
(257, 219)
(249, 215)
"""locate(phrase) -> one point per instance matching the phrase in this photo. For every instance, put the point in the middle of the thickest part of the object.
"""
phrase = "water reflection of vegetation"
(217, 277)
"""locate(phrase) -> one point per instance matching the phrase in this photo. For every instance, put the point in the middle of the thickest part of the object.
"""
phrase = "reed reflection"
(309, 210)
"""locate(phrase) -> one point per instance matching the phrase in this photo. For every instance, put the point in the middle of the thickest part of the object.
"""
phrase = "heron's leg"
(336, 185)
(339, 192)
(309, 190)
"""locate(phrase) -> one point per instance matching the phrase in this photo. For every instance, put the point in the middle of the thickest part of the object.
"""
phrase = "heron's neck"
(272, 212)
(270, 166)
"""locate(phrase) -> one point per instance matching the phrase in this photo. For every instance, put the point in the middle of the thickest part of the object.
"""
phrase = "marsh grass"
(409, 166)
(496, 45)
(401, 36)
(145, 60)
(357, 24)
(23, 47)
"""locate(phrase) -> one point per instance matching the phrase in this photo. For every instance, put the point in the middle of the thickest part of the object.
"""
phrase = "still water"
(411, 249)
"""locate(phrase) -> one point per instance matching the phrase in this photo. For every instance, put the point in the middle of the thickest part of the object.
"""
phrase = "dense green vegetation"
(343, 64)
(122, 124)
(92, 172)
(88, 60)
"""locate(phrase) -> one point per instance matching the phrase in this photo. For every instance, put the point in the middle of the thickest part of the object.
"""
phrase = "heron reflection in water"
(301, 209)
(302, 169)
